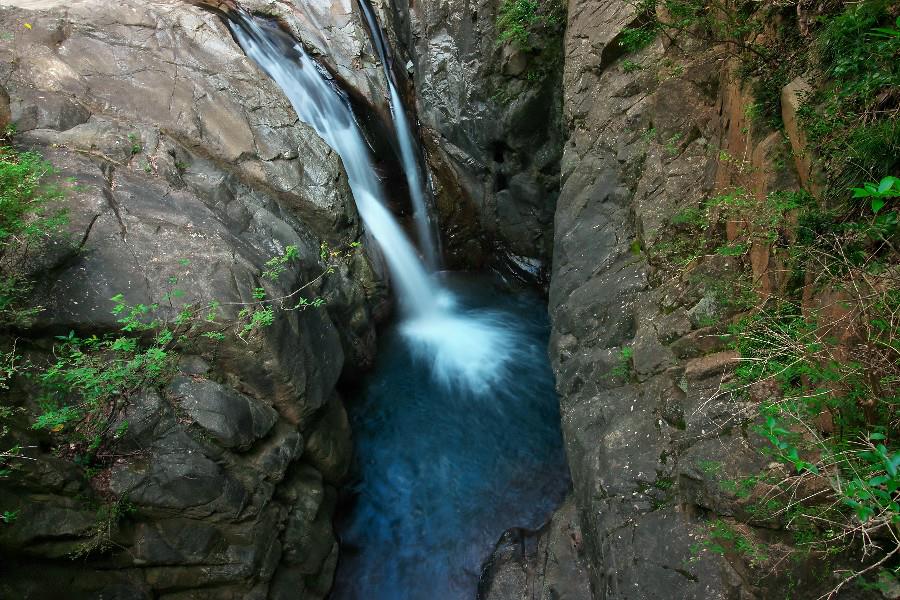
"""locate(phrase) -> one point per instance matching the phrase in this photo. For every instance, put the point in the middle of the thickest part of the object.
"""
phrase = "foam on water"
(469, 351)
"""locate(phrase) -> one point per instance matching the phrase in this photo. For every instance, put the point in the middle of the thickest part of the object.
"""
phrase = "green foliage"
(691, 216)
(87, 380)
(26, 198)
(277, 265)
(521, 21)
(714, 22)
(632, 39)
(796, 351)
(709, 466)
(722, 537)
(626, 364)
(29, 214)
(629, 66)
(517, 18)
(873, 491)
(135, 140)
(93, 378)
(851, 121)
(672, 144)
(879, 194)
(732, 250)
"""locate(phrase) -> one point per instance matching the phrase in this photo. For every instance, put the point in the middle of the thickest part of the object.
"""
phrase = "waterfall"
(407, 143)
(466, 349)
(319, 104)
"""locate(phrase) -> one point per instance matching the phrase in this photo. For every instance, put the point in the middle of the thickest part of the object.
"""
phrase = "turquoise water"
(443, 468)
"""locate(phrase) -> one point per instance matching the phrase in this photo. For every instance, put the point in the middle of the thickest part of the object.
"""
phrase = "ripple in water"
(457, 439)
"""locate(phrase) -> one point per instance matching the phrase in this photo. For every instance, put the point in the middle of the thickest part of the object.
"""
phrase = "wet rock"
(232, 419)
(179, 477)
(329, 444)
(336, 34)
(542, 565)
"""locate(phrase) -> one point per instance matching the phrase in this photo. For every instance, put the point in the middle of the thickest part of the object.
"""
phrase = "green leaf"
(885, 185)
(877, 204)
(892, 464)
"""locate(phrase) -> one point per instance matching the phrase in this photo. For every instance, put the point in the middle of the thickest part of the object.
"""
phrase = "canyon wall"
(490, 116)
(574, 149)
(666, 462)
(184, 167)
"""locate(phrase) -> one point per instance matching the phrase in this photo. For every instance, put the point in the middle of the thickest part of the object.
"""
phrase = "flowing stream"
(457, 429)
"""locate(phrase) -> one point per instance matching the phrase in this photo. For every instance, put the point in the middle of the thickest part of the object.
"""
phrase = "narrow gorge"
(449, 299)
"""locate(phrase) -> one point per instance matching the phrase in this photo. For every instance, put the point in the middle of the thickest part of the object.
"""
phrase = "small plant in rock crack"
(136, 146)
(672, 148)
(630, 66)
(520, 21)
(624, 369)
(109, 516)
(723, 536)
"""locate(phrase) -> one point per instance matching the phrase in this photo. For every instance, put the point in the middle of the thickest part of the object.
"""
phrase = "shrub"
(852, 120)
(29, 213)
(520, 21)
(827, 377)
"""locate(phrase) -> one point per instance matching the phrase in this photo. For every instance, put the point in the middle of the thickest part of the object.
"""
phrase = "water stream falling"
(465, 348)
(456, 431)
(407, 143)
(321, 105)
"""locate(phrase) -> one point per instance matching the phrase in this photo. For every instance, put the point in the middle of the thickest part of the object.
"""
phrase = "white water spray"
(464, 348)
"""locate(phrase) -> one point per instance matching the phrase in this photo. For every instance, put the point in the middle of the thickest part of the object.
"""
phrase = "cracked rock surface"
(186, 163)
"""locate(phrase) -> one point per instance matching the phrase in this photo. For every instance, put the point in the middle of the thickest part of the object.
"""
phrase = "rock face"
(544, 565)
(640, 145)
(188, 165)
(638, 345)
(491, 121)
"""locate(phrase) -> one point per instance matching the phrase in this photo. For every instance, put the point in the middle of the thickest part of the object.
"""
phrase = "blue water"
(442, 469)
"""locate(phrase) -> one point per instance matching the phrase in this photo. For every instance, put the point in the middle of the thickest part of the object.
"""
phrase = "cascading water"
(464, 348)
(321, 105)
(406, 141)
(456, 431)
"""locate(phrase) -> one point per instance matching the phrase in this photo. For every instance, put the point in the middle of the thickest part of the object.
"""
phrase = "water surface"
(443, 467)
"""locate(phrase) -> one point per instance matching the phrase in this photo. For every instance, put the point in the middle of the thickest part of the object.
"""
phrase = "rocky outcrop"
(638, 425)
(187, 165)
(491, 122)
(654, 438)
(539, 565)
